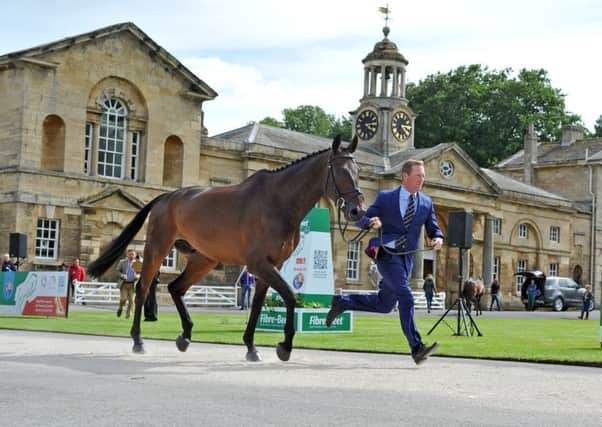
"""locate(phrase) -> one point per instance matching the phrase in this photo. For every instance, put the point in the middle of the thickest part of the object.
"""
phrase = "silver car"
(560, 293)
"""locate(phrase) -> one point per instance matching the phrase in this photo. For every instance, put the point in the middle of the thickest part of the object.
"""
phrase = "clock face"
(366, 124)
(401, 126)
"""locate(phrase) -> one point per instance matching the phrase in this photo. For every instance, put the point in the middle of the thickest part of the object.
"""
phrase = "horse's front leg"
(272, 276)
(261, 289)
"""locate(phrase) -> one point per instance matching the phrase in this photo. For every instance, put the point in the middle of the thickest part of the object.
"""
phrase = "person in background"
(127, 279)
(430, 290)
(495, 290)
(247, 281)
(588, 298)
(76, 273)
(7, 264)
(532, 292)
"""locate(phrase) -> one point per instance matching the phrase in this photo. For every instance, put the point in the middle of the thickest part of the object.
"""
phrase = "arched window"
(112, 139)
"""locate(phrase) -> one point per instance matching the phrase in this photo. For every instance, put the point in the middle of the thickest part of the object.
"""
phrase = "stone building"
(94, 126)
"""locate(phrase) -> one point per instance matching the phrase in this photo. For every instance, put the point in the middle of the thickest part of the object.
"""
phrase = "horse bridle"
(341, 201)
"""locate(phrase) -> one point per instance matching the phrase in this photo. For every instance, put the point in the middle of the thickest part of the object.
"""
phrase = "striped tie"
(407, 220)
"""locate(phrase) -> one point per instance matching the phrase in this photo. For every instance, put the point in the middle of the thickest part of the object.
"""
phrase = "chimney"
(570, 134)
(530, 155)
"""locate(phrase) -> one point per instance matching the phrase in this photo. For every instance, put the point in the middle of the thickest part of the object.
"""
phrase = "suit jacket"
(122, 268)
(386, 207)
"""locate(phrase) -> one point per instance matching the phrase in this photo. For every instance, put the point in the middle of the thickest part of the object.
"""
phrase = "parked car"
(560, 293)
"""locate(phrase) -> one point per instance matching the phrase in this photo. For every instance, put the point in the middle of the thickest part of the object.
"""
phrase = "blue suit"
(395, 269)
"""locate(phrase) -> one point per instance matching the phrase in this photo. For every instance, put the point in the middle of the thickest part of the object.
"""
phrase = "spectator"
(7, 264)
(532, 292)
(495, 290)
(588, 299)
(151, 308)
(430, 290)
(247, 281)
(127, 278)
(76, 273)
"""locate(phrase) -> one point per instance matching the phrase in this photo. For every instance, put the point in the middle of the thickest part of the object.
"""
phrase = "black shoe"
(119, 313)
(151, 319)
(242, 308)
(333, 313)
(424, 352)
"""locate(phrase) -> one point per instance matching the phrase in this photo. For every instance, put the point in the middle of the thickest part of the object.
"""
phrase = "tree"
(486, 112)
(598, 127)
(272, 122)
(312, 120)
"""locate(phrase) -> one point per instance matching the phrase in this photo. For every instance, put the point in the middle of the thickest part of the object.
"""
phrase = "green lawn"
(554, 340)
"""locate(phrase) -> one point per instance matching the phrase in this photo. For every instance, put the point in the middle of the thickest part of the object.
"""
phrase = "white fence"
(200, 295)
(419, 298)
(97, 293)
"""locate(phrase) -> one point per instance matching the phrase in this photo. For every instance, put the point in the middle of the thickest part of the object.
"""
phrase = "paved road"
(73, 380)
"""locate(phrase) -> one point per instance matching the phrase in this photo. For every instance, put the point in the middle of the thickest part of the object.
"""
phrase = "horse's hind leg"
(261, 289)
(152, 263)
(197, 267)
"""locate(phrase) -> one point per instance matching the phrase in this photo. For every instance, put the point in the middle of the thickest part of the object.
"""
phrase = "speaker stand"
(464, 327)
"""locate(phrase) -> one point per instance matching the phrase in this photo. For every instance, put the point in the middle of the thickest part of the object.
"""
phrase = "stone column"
(418, 257)
(402, 84)
(395, 82)
(372, 81)
(383, 81)
(488, 251)
(366, 81)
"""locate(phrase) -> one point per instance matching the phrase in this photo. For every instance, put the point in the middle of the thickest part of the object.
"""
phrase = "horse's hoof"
(138, 348)
(253, 356)
(283, 354)
(182, 343)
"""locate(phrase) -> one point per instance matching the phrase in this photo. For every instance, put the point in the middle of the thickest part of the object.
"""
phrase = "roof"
(275, 137)
(509, 185)
(198, 87)
(553, 152)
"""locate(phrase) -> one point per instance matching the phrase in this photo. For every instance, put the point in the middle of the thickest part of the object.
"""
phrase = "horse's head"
(342, 184)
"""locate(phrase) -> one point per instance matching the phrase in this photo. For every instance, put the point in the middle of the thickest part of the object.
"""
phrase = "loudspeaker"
(459, 233)
(18, 245)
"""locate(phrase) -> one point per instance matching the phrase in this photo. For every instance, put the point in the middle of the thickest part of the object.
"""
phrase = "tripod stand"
(462, 325)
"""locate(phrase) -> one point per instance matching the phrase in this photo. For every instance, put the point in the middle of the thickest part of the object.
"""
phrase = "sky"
(263, 56)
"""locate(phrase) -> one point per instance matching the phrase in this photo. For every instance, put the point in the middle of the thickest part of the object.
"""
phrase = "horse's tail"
(115, 249)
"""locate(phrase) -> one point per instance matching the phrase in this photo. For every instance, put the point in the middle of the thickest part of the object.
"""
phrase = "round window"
(446, 168)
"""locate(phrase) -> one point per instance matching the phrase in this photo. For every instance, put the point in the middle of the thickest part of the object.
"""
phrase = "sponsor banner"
(306, 320)
(34, 293)
(309, 268)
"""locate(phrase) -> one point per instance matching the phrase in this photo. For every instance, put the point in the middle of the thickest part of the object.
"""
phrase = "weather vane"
(386, 12)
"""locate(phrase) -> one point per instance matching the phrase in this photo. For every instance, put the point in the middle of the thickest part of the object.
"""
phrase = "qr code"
(320, 260)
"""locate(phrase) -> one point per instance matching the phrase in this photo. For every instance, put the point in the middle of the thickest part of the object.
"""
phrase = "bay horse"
(472, 292)
(255, 223)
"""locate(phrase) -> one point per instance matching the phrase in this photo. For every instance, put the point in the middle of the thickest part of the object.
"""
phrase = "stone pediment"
(195, 88)
(451, 167)
(112, 198)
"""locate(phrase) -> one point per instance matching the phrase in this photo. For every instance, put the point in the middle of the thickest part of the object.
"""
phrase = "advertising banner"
(34, 293)
(309, 269)
(306, 320)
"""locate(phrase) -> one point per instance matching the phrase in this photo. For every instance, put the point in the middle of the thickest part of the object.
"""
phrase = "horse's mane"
(296, 161)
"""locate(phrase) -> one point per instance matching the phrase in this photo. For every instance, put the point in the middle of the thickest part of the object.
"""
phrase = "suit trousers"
(126, 294)
(394, 287)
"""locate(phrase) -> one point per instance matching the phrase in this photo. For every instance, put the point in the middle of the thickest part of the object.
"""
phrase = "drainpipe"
(592, 255)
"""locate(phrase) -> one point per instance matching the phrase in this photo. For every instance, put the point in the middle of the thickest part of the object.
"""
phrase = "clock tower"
(384, 122)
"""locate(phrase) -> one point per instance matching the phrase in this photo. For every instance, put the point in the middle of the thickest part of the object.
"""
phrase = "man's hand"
(375, 223)
(437, 243)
